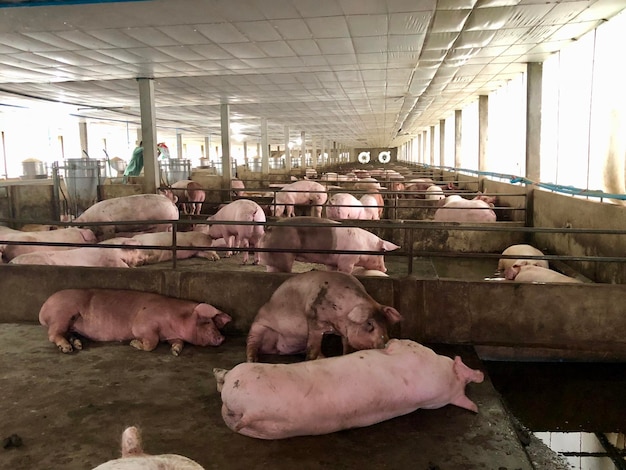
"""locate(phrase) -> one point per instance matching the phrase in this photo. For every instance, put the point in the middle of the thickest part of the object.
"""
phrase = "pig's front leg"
(177, 346)
(314, 339)
(210, 255)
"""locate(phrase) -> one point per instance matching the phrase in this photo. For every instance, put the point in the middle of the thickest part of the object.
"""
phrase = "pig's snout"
(217, 339)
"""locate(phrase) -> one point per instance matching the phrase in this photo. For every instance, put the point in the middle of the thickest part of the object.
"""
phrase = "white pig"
(277, 401)
(64, 235)
(134, 458)
(525, 271)
(138, 207)
(372, 206)
(195, 244)
(520, 251)
(344, 206)
(303, 192)
(123, 257)
(465, 210)
(326, 235)
(239, 236)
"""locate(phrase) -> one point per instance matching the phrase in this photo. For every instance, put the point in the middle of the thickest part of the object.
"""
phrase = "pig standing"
(458, 209)
(237, 187)
(308, 305)
(134, 458)
(123, 257)
(121, 315)
(239, 236)
(190, 196)
(327, 235)
(526, 271)
(64, 235)
(521, 251)
(195, 244)
(344, 206)
(434, 193)
(276, 401)
(299, 193)
(138, 207)
(372, 206)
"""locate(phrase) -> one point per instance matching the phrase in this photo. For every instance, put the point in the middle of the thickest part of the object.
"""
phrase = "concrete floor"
(70, 410)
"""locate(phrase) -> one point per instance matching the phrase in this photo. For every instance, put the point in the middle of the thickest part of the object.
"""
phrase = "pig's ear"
(208, 313)
(392, 315)
(388, 246)
(358, 315)
(221, 319)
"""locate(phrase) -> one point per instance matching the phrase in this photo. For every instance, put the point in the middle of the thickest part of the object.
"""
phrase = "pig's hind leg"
(146, 338)
(57, 335)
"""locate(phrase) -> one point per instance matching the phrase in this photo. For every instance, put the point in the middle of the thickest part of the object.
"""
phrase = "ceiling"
(362, 73)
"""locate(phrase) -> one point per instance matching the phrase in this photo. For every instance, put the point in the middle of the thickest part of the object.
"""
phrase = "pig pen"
(69, 410)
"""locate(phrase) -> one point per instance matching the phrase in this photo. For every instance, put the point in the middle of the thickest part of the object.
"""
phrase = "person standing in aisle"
(136, 163)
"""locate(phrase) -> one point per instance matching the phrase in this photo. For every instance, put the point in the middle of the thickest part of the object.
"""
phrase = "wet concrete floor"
(70, 410)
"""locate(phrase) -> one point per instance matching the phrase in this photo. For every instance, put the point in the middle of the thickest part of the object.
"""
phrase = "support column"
(534, 74)
(432, 145)
(152, 179)
(419, 148)
(287, 151)
(179, 146)
(265, 149)
(483, 130)
(227, 173)
(442, 142)
(245, 153)
(424, 146)
(322, 152)
(303, 150)
(313, 152)
(458, 137)
(84, 145)
(207, 147)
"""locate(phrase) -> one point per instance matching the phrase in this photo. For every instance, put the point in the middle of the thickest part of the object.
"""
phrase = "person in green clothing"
(136, 163)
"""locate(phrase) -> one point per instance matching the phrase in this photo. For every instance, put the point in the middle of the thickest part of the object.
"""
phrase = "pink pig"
(276, 401)
(121, 315)
(372, 206)
(240, 236)
(303, 192)
(64, 235)
(526, 271)
(190, 196)
(344, 206)
(196, 245)
(458, 209)
(134, 458)
(123, 257)
(308, 305)
(521, 251)
(326, 235)
(142, 208)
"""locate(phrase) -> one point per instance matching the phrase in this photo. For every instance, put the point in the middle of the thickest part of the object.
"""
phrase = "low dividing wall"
(576, 321)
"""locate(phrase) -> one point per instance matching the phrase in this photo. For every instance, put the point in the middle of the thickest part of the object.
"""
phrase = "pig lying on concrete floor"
(276, 401)
(134, 458)
(521, 251)
(121, 315)
(526, 271)
(308, 305)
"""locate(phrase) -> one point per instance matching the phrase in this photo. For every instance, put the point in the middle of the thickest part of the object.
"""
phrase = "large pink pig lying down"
(121, 315)
(134, 458)
(276, 401)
